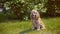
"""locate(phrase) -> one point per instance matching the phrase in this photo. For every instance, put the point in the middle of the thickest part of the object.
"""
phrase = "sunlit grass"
(24, 27)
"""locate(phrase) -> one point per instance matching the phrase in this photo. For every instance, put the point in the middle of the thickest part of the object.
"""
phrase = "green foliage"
(6, 4)
(27, 5)
(30, 4)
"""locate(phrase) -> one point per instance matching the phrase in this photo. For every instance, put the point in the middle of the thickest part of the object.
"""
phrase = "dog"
(36, 20)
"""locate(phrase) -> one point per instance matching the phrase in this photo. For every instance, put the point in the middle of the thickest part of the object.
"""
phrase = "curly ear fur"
(37, 16)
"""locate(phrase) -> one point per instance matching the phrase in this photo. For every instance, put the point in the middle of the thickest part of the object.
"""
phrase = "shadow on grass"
(26, 31)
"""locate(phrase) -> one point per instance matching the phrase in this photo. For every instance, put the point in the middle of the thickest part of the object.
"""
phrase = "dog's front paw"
(38, 29)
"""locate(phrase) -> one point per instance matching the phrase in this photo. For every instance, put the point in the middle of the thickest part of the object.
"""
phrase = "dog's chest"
(35, 21)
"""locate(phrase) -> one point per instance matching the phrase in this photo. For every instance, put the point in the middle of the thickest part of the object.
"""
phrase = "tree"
(22, 7)
(52, 7)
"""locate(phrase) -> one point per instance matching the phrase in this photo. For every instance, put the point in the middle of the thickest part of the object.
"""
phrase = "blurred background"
(14, 12)
(20, 9)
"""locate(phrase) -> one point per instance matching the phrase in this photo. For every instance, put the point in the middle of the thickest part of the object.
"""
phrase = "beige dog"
(36, 20)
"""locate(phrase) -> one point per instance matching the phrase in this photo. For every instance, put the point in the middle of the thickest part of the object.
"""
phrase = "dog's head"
(34, 14)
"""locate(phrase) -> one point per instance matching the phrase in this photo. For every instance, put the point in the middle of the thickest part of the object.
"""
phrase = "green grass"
(24, 27)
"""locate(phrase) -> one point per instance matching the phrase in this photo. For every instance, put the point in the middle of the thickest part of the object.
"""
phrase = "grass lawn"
(24, 27)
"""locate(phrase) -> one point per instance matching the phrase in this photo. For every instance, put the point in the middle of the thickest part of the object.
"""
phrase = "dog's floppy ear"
(37, 16)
